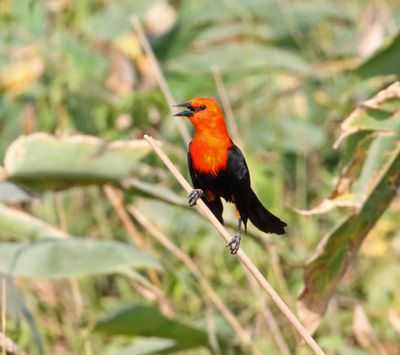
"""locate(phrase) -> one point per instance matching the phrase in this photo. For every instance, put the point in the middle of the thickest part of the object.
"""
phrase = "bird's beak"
(188, 113)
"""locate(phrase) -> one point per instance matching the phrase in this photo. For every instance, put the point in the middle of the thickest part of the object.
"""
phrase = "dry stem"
(192, 267)
(269, 318)
(246, 262)
(115, 199)
(158, 74)
(226, 105)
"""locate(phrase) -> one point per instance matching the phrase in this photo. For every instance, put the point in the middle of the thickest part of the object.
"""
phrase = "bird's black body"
(233, 184)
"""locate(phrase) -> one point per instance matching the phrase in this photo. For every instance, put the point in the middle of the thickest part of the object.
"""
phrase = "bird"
(218, 170)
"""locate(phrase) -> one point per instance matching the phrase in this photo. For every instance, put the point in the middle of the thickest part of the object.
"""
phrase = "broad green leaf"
(234, 58)
(143, 320)
(41, 158)
(55, 258)
(384, 62)
(21, 225)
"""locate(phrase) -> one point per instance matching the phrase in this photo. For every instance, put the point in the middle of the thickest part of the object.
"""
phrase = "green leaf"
(384, 62)
(56, 258)
(63, 161)
(21, 225)
(143, 320)
(234, 58)
(370, 182)
(339, 248)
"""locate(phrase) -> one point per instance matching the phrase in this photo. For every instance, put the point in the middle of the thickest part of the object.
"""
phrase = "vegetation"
(99, 252)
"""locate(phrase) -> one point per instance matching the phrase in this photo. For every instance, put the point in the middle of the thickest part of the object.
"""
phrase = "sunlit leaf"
(19, 76)
(67, 160)
(21, 225)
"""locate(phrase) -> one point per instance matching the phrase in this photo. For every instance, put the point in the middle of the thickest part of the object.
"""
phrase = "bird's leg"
(234, 243)
(194, 195)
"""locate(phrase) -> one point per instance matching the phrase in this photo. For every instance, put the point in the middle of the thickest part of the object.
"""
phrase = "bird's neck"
(217, 137)
(213, 132)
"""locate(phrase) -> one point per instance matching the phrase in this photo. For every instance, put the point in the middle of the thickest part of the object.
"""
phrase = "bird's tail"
(263, 219)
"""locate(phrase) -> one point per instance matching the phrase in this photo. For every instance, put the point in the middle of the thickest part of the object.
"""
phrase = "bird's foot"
(234, 243)
(194, 195)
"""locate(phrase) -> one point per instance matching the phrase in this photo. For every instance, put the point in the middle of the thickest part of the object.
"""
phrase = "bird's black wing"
(215, 205)
(246, 201)
(239, 180)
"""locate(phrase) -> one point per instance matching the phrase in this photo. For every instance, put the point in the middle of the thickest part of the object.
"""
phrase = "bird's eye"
(202, 107)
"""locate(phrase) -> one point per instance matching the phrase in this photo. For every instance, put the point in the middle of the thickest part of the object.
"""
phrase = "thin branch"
(269, 318)
(192, 267)
(116, 201)
(144, 41)
(273, 326)
(278, 272)
(117, 204)
(226, 105)
(73, 283)
(245, 261)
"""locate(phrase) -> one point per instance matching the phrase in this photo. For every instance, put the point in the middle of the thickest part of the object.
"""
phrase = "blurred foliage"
(294, 70)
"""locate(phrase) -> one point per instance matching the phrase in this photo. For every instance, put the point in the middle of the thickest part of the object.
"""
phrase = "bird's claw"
(234, 243)
(194, 195)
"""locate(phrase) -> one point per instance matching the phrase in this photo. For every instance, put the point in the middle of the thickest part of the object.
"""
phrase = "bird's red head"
(205, 115)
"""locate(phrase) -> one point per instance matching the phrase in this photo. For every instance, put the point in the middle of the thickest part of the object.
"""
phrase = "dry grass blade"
(192, 267)
(150, 291)
(158, 74)
(364, 332)
(246, 262)
(276, 333)
(227, 106)
(269, 318)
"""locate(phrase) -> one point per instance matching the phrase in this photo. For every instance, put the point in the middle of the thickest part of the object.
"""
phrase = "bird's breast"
(209, 156)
